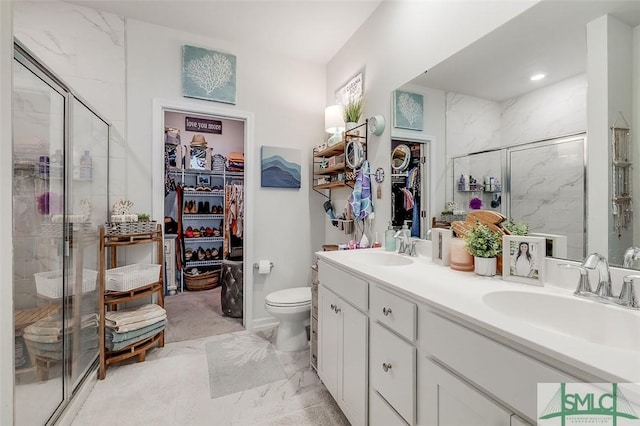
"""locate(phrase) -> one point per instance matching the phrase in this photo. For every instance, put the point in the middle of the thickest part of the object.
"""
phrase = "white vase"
(485, 266)
(350, 125)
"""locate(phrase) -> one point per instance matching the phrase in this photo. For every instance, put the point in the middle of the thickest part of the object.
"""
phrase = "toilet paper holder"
(256, 266)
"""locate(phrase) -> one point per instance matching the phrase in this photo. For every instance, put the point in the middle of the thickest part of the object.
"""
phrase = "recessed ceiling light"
(537, 77)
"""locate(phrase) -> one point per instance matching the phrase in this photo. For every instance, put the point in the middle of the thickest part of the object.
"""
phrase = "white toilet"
(292, 307)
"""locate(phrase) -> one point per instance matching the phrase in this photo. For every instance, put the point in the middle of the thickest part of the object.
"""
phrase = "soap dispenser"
(389, 241)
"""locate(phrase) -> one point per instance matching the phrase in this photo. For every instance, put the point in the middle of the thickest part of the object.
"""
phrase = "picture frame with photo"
(204, 180)
(523, 259)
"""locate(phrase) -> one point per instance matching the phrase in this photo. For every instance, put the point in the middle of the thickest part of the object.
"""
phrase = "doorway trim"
(160, 106)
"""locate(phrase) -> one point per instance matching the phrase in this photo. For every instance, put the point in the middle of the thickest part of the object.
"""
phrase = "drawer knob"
(386, 366)
(386, 311)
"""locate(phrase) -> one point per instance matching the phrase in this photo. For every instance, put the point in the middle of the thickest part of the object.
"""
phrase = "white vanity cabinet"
(392, 353)
(343, 330)
(448, 401)
(509, 376)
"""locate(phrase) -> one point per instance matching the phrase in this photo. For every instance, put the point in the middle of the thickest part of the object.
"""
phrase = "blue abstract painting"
(209, 75)
(280, 167)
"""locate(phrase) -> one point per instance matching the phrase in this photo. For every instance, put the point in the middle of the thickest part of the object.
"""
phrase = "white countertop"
(461, 294)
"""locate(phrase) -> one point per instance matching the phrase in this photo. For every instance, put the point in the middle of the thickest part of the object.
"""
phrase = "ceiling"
(307, 30)
(549, 38)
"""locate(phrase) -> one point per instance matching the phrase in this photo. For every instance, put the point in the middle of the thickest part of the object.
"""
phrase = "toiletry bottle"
(461, 183)
(406, 231)
(389, 241)
(85, 166)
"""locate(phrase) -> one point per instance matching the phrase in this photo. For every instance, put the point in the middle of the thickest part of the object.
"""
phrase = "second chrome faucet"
(603, 291)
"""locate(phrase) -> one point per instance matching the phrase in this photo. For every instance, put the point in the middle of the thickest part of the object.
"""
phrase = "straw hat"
(198, 140)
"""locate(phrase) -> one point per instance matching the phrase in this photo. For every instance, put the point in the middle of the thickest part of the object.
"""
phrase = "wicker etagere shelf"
(109, 300)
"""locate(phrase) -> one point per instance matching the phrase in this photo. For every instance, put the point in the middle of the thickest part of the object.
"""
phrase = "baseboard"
(262, 323)
(71, 410)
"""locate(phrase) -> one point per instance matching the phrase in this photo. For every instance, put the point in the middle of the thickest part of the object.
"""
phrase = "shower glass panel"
(547, 187)
(87, 203)
(38, 191)
(60, 163)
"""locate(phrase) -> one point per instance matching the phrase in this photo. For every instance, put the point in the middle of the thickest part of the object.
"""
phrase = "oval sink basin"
(580, 318)
(383, 259)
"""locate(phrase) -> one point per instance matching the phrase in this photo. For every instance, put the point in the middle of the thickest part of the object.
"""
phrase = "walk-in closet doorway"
(202, 167)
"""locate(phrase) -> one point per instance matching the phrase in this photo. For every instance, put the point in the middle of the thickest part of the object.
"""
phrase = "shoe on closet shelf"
(188, 254)
(205, 208)
(188, 232)
(201, 254)
(196, 233)
(207, 254)
(209, 232)
(216, 232)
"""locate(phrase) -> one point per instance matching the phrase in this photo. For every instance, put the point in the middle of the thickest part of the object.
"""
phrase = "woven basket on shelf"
(128, 228)
(202, 281)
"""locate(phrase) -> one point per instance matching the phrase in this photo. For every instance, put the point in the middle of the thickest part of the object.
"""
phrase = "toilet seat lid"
(290, 296)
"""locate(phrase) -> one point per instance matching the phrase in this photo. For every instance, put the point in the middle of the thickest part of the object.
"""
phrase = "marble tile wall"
(547, 191)
(86, 48)
(556, 110)
(472, 124)
(546, 187)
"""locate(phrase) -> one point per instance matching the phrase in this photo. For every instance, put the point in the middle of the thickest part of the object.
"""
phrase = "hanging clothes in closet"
(234, 214)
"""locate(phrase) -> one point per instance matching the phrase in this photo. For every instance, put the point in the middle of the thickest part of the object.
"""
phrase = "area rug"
(241, 362)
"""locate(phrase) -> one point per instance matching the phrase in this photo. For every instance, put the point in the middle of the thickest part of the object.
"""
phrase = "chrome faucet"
(407, 245)
(584, 286)
(628, 296)
(603, 292)
(599, 262)
(631, 258)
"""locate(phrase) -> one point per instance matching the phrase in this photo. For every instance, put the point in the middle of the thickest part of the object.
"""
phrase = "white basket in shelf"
(129, 277)
(49, 284)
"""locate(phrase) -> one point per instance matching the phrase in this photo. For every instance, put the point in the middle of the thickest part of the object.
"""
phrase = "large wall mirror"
(530, 143)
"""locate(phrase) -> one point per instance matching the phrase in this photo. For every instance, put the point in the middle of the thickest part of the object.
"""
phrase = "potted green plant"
(516, 228)
(352, 112)
(484, 245)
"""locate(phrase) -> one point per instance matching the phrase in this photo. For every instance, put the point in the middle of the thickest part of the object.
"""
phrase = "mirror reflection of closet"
(408, 200)
(400, 158)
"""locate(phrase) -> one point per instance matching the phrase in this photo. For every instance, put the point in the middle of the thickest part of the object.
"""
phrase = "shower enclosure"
(60, 151)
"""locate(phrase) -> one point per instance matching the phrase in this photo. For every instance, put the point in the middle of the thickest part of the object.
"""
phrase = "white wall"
(286, 98)
(6, 234)
(609, 65)
(430, 32)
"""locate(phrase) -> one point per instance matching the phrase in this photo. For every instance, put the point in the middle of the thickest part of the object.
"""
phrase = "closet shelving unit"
(214, 197)
(109, 300)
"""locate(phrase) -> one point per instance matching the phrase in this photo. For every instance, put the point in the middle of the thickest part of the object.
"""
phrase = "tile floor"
(172, 388)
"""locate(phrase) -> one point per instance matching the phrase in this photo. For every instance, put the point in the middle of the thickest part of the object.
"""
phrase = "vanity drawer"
(395, 312)
(349, 287)
(508, 375)
(397, 385)
(381, 413)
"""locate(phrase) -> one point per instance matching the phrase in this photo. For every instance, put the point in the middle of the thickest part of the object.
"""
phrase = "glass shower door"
(38, 206)
(87, 204)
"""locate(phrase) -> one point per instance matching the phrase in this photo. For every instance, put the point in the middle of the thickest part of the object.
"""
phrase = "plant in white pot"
(352, 112)
(484, 245)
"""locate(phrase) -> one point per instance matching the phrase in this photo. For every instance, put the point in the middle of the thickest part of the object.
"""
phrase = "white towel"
(137, 325)
(137, 314)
